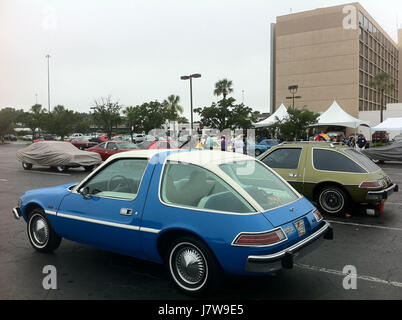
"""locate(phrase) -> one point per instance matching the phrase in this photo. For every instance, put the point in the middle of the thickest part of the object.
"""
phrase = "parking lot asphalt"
(373, 246)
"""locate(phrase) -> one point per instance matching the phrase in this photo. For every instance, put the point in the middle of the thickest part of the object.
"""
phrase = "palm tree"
(223, 87)
(383, 82)
(172, 103)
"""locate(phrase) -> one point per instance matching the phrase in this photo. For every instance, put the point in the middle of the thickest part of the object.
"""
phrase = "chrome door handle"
(126, 212)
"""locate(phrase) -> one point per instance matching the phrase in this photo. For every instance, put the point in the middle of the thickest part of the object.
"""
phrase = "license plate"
(301, 229)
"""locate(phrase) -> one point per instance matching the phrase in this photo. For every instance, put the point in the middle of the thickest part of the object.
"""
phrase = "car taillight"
(318, 216)
(371, 185)
(260, 239)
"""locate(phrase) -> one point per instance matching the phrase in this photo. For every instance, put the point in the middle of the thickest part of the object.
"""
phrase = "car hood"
(47, 198)
(289, 213)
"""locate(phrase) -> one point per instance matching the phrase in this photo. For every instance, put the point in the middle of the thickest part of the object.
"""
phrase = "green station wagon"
(335, 177)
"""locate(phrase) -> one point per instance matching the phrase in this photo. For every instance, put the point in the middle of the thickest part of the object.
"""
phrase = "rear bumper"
(17, 213)
(285, 258)
(383, 194)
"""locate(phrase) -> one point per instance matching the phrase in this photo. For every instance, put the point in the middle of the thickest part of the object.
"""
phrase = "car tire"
(332, 200)
(61, 168)
(27, 166)
(81, 147)
(40, 233)
(199, 275)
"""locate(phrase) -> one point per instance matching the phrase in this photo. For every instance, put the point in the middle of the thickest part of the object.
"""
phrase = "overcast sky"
(136, 50)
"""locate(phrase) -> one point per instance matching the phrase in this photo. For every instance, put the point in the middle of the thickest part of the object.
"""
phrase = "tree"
(61, 121)
(383, 82)
(107, 115)
(223, 87)
(145, 117)
(172, 105)
(296, 124)
(34, 119)
(226, 115)
(7, 119)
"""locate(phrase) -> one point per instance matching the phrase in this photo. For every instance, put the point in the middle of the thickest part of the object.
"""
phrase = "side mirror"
(85, 193)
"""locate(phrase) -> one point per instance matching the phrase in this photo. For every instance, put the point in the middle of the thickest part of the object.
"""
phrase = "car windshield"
(364, 161)
(260, 183)
(127, 145)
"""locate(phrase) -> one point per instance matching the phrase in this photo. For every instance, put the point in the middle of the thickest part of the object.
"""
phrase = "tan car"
(334, 176)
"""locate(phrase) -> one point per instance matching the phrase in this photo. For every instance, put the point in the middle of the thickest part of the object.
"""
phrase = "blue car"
(199, 212)
(263, 146)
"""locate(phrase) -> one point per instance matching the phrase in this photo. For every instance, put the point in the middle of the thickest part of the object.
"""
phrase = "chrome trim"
(17, 213)
(382, 194)
(53, 213)
(257, 233)
(108, 223)
(295, 247)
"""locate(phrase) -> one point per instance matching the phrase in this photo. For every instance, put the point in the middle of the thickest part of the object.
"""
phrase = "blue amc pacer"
(199, 212)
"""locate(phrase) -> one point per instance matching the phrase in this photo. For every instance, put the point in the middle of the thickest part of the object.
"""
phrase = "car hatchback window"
(328, 160)
(191, 186)
(121, 179)
(283, 158)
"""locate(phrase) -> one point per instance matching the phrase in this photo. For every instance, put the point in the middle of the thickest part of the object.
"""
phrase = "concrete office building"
(332, 53)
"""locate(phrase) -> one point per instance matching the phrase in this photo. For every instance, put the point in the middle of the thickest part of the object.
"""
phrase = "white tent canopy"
(391, 124)
(281, 113)
(336, 116)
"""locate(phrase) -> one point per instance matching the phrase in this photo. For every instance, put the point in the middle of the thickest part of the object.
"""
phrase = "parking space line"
(363, 225)
(340, 273)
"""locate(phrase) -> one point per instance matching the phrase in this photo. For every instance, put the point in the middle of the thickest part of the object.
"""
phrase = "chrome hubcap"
(40, 231)
(331, 201)
(190, 265)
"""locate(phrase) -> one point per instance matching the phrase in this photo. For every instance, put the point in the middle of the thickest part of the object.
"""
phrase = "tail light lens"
(260, 239)
(318, 216)
(370, 185)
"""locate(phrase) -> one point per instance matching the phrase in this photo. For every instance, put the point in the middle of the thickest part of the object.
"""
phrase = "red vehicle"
(82, 143)
(380, 136)
(109, 148)
(158, 144)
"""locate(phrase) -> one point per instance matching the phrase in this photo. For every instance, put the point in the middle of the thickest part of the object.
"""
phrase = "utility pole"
(48, 82)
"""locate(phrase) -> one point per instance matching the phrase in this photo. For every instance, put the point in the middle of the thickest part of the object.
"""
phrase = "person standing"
(209, 143)
(361, 142)
(223, 143)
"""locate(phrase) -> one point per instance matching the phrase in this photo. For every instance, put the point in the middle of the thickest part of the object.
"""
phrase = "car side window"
(111, 146)
(328, 160)
(283, 158)
(102, 145)
(121, 179)
(188, 185)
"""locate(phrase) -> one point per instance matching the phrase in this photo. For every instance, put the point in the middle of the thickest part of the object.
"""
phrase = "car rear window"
(364, 161)
(329, 160)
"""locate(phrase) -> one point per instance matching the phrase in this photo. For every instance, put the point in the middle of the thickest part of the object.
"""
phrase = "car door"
(105, 211)
(287, 162)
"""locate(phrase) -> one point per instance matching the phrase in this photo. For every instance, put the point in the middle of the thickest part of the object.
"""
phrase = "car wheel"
(61, 168)
(40, 233)
(192, 266)
(332, 200)
(27, 166)
(89, 168)
(81, 147)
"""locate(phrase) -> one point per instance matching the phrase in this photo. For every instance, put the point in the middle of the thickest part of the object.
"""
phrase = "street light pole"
(293, 91)
(190, 77)
(48, 82)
